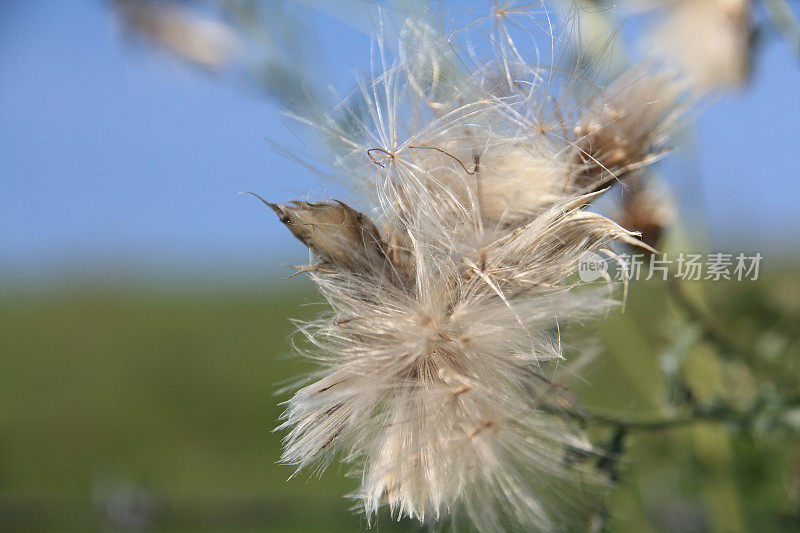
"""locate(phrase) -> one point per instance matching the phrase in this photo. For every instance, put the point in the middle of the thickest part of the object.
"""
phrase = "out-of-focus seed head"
(709, 40)
(200, 40)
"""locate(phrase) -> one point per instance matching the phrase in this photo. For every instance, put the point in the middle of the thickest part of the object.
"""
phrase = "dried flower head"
(625, 127)
(439, 359)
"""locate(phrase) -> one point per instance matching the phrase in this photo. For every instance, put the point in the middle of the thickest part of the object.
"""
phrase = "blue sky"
(112, 158)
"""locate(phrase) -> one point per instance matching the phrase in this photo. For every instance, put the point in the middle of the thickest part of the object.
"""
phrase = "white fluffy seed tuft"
(438, 361)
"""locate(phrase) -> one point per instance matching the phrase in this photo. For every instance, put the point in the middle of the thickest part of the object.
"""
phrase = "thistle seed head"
(440, 374)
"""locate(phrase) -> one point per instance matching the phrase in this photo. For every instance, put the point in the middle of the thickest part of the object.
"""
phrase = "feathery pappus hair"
(440, 363)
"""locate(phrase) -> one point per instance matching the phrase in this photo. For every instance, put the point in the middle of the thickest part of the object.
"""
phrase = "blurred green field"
(136, 409)
(157, 407)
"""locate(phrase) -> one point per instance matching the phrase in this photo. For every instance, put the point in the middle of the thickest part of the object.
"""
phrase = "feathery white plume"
(437, 361)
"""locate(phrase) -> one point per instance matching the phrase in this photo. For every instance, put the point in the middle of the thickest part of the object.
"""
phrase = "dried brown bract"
(624, 128)
(342, 237)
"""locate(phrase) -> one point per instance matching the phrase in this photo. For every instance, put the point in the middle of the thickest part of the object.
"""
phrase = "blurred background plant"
(138, 394)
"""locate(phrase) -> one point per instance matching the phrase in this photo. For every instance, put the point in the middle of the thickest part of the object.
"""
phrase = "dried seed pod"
(343, 238)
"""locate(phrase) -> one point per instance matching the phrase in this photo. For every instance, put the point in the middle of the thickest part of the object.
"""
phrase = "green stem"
(711, 333)
(713, 414)
(708, 328)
